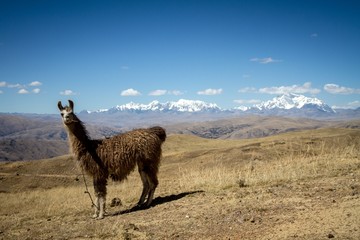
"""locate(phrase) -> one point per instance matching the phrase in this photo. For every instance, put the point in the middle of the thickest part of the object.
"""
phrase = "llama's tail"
(160, 132)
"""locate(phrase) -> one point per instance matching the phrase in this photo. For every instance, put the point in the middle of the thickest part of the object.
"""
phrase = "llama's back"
(123, 152)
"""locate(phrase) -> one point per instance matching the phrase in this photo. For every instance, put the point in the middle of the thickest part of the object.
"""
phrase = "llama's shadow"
(155, 202)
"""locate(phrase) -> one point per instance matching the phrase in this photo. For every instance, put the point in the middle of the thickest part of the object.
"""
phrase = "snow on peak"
(181, 105)
(184, 105)
(286, 102)
(291, 101)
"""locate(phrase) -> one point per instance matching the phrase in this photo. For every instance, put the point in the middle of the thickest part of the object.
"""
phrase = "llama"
(115, 157)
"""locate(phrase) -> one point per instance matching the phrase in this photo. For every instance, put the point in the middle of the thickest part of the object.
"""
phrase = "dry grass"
(292, 160)
(189, 164)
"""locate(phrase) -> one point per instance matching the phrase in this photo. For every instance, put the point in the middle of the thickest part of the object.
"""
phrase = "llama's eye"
(62, 114)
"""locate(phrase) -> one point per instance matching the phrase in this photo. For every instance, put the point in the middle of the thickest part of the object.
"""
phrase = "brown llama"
(115, 157)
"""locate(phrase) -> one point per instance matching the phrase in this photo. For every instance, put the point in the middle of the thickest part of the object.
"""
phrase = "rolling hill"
(30, 137)
(302, 185)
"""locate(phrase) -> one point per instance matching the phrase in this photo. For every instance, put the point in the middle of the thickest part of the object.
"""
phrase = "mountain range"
(294, 101)
(35, 136)
(181, 105)
(290, 105)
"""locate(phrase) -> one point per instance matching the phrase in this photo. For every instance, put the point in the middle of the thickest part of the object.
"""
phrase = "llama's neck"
(78, 138)
(83, 149)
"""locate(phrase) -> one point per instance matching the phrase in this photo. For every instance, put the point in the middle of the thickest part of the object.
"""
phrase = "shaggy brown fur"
(115, 157)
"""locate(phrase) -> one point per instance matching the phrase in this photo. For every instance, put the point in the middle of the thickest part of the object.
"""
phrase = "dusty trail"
(39, 175)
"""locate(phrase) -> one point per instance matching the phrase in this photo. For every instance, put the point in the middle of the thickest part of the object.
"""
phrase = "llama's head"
(67, 113)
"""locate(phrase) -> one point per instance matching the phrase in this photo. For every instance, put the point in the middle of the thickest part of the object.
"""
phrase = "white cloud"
(336, 89)
(210, 91)
(1, 92)
(354, 104)
(265, 60)
(305, 88)
(23, 91)
(22, 88)
(35, 84)
(299, 89)
(247, 90)
(67, 92)
(350, 105)
(161, 92)
(36, 90)
(245, 101)
(130, 92)
(158, 92)
(17, 85)
(175, 92)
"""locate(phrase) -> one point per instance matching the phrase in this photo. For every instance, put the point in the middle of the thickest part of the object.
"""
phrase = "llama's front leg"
(96, 207)
(101, 204)
(99, 207)
(100, 193)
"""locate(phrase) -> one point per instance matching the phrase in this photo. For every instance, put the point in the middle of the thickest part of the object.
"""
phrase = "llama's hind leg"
(146, 187)
(153, 182)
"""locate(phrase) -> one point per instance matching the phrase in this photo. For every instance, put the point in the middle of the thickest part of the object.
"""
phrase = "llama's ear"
(71, 104)
(60, 106)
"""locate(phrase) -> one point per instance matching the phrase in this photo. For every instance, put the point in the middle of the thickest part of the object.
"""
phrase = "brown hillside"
(248, 127)
(297, 185)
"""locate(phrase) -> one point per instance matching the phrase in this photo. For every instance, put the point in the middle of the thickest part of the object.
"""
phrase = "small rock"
(132, 226)
(330, 235)
(241, 183)
(115, 202)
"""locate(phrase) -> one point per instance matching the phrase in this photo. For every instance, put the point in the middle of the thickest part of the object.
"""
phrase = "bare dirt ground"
(253, 197)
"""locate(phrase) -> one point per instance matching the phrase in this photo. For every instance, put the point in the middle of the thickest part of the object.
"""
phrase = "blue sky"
(106, 53)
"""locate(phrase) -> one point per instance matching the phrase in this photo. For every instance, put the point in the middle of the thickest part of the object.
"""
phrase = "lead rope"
(87, 190)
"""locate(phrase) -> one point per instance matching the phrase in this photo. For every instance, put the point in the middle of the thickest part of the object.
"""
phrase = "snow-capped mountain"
(294, 101)
(184, 105)
(287, 105)
(181, 105)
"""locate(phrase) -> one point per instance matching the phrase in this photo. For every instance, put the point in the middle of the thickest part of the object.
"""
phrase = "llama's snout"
(66, 118)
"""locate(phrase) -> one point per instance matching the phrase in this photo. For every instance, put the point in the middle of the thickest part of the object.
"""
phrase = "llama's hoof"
(141, 206)
(98, 217)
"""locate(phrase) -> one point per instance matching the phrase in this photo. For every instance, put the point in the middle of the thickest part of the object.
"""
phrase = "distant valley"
(36, 136)
(33, 136)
